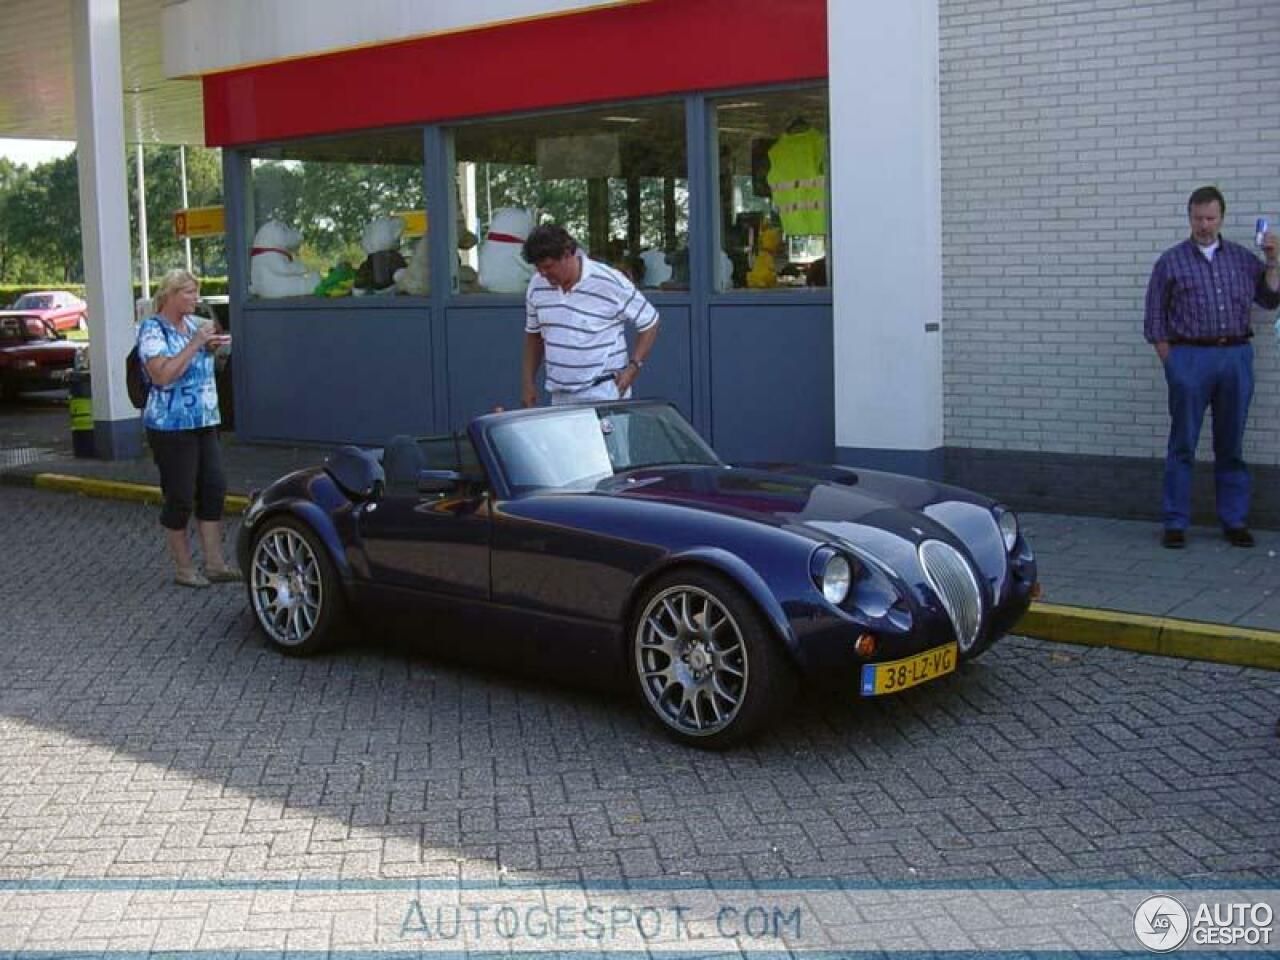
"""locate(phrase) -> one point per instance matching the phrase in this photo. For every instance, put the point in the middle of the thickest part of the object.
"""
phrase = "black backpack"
(135, 381)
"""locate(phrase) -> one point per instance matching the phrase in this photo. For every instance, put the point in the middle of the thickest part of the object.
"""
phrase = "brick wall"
(1072, 133)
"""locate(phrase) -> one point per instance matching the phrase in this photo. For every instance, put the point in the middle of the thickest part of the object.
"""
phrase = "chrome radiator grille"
(952, 579)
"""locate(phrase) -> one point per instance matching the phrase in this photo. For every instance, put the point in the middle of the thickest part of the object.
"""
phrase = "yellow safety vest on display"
(798, 179)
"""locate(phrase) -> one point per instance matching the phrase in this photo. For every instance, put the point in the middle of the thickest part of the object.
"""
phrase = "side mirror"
(439, 481)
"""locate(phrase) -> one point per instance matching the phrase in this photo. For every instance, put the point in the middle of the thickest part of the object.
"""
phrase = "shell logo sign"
(199, 222)
(415, 221)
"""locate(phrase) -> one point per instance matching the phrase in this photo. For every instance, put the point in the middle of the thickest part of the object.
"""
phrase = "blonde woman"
(181, 419)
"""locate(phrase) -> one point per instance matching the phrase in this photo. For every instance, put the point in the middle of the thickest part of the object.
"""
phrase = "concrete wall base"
(928, 464)
(117, 439)
(1125, 487)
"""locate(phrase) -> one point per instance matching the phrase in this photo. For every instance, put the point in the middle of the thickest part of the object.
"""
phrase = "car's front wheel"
(705, 661)
(294, 589)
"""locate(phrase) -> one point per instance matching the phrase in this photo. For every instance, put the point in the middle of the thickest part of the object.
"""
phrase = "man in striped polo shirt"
(1197, 318)
(576, 311)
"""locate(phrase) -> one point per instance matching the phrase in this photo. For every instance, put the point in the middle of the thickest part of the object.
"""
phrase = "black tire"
(707, 688)
(294, 590)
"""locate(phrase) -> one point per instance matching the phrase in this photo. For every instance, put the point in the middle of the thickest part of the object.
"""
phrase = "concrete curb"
(1163, 636)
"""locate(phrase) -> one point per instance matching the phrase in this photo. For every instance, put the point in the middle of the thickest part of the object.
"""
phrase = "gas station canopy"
(37, 90)
(167, 45)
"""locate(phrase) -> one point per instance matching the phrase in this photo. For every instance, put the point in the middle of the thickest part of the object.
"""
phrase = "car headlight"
(1007, 521)
(833, 573)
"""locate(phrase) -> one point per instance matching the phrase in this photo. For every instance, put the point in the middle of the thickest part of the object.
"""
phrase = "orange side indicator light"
(865, 645)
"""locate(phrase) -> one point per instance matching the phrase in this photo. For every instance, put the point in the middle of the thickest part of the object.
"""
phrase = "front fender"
(737, 570)
(316, 520)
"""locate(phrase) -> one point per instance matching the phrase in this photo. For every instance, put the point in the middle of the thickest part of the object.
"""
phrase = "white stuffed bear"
(274, 270)
(413, 278)
(381, 243)
(502, 268)
(657, 270)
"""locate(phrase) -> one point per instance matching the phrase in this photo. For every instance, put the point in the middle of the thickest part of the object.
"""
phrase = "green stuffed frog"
(337, 282)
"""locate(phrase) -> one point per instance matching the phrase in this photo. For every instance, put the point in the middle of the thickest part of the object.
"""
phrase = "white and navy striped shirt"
(583, 330)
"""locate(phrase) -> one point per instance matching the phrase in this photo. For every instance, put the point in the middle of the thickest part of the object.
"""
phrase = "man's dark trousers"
(1219, 378)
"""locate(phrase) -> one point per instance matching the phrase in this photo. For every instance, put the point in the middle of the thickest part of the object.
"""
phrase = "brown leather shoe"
(1173, 539)
(1238, 536)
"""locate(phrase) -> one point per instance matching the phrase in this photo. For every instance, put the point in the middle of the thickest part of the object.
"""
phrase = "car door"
(428, 541)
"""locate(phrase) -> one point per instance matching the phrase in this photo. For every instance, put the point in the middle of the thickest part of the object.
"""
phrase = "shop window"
(615, 178)
(773, 188)
(338, 218)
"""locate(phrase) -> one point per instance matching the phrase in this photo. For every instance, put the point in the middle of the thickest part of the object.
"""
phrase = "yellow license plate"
(878, 678)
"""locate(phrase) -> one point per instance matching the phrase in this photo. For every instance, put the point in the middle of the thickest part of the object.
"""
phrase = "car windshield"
(575, 448)
(34, 301)
(18, 329)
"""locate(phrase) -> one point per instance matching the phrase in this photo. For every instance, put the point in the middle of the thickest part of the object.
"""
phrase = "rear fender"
(318, 522)
(736, 569)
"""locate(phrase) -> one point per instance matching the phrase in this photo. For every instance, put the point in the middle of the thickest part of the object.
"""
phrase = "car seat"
(402, 460)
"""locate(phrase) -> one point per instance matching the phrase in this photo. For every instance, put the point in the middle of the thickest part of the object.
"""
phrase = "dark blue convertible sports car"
(613, 540)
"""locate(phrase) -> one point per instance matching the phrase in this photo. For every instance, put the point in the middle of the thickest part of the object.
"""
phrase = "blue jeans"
(1219, 378)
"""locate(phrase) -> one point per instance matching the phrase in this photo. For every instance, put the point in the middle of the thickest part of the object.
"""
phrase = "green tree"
(11, 174)
(42, 219)
(162, 171)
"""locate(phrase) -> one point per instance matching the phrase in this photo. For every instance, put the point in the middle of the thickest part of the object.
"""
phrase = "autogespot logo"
(1161, 923)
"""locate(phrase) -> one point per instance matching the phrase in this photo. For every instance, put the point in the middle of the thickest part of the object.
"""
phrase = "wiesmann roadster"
(611, 539)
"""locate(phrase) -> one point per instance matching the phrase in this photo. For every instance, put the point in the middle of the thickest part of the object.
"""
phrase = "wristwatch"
(637, 363)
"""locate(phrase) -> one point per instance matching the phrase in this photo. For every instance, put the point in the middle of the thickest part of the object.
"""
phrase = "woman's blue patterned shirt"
(191, 401)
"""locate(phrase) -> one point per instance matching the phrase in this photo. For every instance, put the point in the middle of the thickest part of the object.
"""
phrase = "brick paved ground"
(147, 731)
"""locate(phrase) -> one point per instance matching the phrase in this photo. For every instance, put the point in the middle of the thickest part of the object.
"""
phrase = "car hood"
(46, 351)
(43, 313)
(886, 514)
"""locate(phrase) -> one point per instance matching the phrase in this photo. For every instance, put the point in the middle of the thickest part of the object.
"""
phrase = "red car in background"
(33, 355)
(64, 310)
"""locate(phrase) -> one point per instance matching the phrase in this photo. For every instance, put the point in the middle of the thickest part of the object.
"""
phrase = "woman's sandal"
(224, 575)
(190, 578)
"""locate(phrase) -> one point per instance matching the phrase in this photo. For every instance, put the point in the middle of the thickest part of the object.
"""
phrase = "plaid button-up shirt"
(1191, 297)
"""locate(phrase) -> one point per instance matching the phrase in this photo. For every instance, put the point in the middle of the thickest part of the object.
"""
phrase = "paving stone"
(147, 731)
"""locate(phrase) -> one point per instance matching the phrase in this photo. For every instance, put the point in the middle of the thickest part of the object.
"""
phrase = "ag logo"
(1161, 923)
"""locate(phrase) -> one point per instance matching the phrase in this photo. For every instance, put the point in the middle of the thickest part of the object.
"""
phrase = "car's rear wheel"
(294, 589)
(705, 662)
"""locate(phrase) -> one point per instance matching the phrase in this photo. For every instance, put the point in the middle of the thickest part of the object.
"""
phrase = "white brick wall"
(1072, 133)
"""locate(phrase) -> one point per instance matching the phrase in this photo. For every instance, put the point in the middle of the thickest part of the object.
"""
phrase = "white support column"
(470, 219)
(104, 221)
(182, 173)
(886, 213)
(144, 248)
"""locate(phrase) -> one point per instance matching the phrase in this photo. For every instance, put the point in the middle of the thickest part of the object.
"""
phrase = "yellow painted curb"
(1191, 639)
(120, 490)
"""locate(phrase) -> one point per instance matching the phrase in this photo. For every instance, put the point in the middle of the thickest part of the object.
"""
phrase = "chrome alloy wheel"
(691, 661)
(286, 587)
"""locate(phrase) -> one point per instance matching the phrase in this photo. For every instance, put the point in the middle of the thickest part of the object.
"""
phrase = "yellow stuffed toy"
(764, 270)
